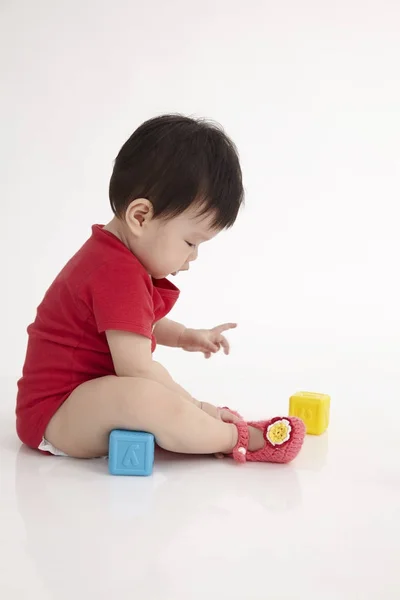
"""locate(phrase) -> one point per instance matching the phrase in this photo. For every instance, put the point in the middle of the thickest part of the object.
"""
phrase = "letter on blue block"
(130, 452)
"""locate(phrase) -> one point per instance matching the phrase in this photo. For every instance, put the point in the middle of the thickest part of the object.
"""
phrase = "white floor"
(325, 528)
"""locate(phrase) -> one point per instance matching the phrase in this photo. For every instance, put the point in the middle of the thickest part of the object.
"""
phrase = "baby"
(176, 184)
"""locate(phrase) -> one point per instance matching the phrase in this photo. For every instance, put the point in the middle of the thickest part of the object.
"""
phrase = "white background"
(310, 93)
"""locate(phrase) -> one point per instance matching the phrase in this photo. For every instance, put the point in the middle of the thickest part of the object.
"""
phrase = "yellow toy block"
(313, 409)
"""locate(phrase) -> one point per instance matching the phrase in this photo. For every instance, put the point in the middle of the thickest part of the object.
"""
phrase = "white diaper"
(47, 447)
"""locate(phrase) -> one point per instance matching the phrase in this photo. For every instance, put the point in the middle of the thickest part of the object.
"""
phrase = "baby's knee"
(146, 400)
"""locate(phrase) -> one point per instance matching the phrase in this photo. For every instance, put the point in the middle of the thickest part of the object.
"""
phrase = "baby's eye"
(191, 245)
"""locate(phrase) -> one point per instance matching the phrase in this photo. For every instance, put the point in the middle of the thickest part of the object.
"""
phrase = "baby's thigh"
(82, 424)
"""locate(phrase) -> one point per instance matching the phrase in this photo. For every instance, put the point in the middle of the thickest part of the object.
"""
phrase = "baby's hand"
(208, 341)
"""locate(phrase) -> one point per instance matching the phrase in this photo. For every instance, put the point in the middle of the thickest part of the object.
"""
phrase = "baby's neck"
(116, 227)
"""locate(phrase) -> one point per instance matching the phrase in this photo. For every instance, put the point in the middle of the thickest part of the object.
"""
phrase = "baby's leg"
(81, 426)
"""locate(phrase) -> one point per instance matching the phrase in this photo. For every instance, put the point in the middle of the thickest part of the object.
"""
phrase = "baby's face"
(169, 246)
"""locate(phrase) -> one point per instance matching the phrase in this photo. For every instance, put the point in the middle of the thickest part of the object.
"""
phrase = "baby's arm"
(131, 354)
(168, 333)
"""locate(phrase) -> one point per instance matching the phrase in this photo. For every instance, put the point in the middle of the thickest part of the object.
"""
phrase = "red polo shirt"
(102, 287)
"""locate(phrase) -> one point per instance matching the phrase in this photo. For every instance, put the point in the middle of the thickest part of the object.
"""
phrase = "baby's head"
(176, 183)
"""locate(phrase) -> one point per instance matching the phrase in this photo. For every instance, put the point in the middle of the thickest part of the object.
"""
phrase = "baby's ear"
(139, 213)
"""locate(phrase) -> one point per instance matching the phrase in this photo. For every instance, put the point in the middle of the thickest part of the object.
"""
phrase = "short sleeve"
(122, 298)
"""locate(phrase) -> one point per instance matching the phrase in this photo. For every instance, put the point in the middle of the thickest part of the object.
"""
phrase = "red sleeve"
(122, 298)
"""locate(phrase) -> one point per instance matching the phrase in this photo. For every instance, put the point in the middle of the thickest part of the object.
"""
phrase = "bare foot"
(256, 439)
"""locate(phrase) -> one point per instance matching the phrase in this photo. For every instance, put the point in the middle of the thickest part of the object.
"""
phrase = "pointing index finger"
(224, 327)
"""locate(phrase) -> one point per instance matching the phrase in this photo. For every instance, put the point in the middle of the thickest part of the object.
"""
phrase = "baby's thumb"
(211, 347)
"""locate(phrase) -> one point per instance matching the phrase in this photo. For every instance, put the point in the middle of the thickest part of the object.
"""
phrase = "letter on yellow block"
(313, 409)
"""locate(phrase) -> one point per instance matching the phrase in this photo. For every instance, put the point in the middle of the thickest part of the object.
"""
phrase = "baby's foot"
(282, 440)
(256, 439)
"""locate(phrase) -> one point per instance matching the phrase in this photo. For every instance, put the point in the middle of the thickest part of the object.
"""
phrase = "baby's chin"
(184, 268)
(174, 273)
(163, 276)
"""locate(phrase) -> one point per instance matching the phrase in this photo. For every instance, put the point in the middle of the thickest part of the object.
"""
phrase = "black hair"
(174, 161)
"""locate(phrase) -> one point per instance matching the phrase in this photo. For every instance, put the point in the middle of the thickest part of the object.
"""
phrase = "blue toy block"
(130, 452)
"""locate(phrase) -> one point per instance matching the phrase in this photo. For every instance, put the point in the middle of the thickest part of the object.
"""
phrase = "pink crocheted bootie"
(283, 437)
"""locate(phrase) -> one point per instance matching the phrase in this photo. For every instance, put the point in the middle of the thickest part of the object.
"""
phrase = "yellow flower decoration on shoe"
(278, 432)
